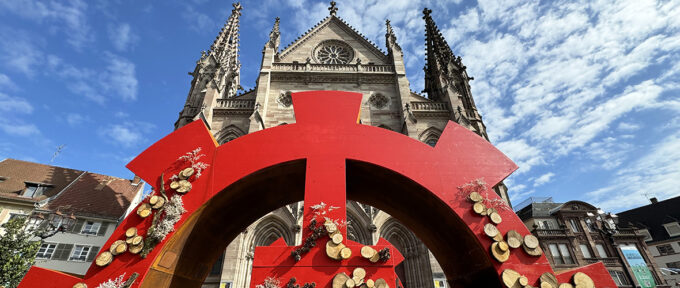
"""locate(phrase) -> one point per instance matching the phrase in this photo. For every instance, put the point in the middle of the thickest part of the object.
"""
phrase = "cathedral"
(330, 56)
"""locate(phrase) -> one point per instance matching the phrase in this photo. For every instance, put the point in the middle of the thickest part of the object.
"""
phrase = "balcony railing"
(428, 106)
(609, 261)
(550, 232)
(235, 104)
(304, 67)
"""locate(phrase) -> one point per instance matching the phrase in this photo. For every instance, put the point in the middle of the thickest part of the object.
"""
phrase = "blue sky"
(582, 95)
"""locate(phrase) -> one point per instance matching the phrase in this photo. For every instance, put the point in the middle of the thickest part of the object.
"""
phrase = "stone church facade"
(330, 56)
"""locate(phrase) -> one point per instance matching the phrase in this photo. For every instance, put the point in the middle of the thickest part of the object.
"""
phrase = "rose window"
(334, 52)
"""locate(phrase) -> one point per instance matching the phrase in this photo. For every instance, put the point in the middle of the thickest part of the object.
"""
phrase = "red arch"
(324, 134)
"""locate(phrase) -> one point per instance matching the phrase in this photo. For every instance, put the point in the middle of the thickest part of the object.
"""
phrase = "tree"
(17, 252)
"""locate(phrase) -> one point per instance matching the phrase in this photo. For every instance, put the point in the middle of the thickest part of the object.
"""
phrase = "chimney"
(654, 200)
(136, 180)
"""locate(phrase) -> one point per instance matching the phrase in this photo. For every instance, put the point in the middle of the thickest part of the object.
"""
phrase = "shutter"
(93, 253)
(78, 226)
(103, 228)
(62, 252)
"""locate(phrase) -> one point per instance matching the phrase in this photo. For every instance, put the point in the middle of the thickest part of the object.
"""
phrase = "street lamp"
(46, 225)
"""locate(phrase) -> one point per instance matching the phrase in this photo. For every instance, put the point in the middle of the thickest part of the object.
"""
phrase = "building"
(659, 222)
(330, 56)
(575, 233)
(98, 202)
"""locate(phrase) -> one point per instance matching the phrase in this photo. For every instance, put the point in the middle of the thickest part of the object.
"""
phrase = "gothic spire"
(437, 50)
(275, 36)
(333, 9)
(390, 37)
(225, 47)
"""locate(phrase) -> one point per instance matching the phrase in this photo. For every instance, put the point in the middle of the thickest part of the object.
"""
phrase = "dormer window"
(672, 228)
(35, 190)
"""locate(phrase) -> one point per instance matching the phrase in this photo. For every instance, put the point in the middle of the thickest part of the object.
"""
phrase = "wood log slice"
(549, 278)
(333, 250)
(514, 239)
(479, 208)
(339, 280)
(154, 199)
(358, 282)
(359, 273)
(137, 240)
(129, 240)
(375, 258)
(495, 218)
(523, 280)
(381, 283)
(131, 232)
(491, 230)
(121, 248)
(135, 249)
(159, 203)
(104, 259)
(476, 197)
(186, 173)
(350, 283)
(114, 246)
(503, 246)
(536, 252)
(510, 278)
(184, 187)
(337, 238)
(546, 285)
(78, 285)
(498, 237)
(582, 280)
(566, 285)
(144, 210)
(345, 253)
(491, 210)
(498, 254)
(174, 185)
(367, 252)
(370, 283)
(330, 227)
(530, 241)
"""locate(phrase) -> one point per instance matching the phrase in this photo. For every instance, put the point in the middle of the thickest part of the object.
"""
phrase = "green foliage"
(17, 252)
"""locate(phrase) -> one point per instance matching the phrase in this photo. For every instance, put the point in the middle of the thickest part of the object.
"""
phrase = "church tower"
(332, 55)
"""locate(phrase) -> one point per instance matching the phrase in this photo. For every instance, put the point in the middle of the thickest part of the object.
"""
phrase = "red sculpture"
(437, 192)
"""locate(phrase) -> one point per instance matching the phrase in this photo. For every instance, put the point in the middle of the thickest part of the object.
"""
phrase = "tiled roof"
(16, 173)
(652, 217)
(96, 195)
(72, 191)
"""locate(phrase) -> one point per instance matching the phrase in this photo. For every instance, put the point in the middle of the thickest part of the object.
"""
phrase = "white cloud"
(521, 153)
(22, 53)
(121, 77)
(70, 17)
(18, 128)
(627, 127)
(122, 37)
(6, 82)
(545, 178)
(75, 119)
(128, 133)
(656, 173)
(14, 104)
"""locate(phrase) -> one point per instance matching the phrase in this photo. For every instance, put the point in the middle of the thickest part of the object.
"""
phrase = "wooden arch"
(325, 150)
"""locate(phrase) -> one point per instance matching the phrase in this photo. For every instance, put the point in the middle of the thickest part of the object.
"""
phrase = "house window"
(574, 225)
(79, 253)
(91, 228)
(675, 265)
(601, 251)
(619, 277)
(560, 254)
(673, 229)
(665, 249)
(34, 190)
(586, 251)
(46, 250)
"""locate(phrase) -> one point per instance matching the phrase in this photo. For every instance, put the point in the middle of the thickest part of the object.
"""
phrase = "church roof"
(344, 25)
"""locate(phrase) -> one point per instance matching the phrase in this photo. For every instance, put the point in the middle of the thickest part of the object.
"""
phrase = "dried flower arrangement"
(269, 282)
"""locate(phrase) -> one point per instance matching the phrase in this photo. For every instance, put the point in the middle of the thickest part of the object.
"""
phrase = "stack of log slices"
(370, 254)
(182, 186)
(512, 279)
(155, 202)
(335, 249)
(133, 244)
(500, 248)
(341, 280)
